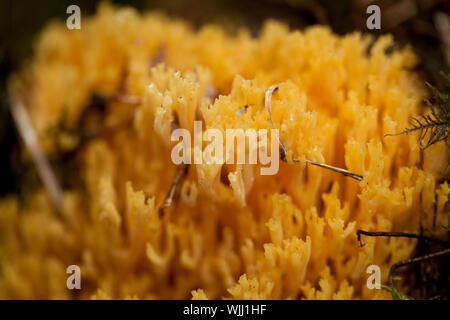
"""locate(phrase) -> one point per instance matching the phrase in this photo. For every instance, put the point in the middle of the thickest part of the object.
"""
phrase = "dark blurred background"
(415, 22)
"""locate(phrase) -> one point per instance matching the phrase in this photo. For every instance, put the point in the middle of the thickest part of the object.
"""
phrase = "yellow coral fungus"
(232, 233)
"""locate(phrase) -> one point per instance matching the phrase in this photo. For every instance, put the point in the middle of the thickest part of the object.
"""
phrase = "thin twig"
(126, 98)
(409, 261)
(399, 13)
(414, 261)
(399, 235)
(181, 172)
(38, 155)
(442, 23)
(283, 150)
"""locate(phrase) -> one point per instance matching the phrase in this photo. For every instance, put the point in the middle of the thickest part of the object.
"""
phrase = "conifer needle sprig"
(435, 125)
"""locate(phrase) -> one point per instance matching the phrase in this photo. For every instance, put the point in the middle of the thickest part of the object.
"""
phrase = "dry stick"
(181, 172)
(414, 261)
(409, 261)
(442, 23)
(38, 156)
(398, 13)
(127, 99)
(267, 102)
(399, 235)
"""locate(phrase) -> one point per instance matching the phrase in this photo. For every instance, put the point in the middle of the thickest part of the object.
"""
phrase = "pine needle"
(283, 150)
(395, 294)
(435, 125)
